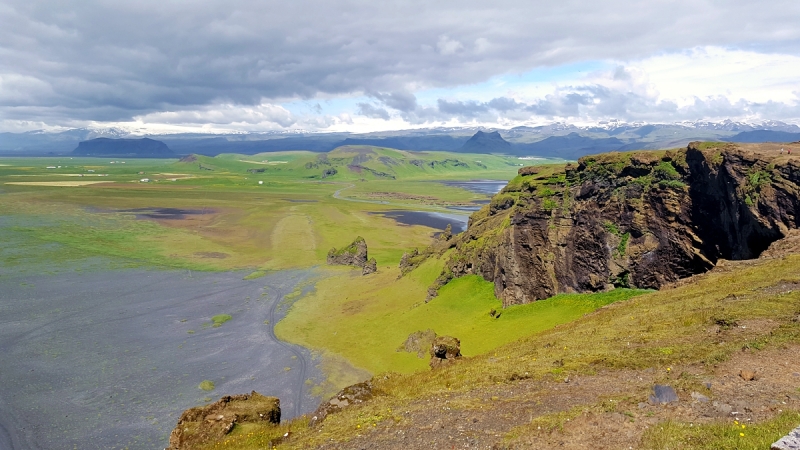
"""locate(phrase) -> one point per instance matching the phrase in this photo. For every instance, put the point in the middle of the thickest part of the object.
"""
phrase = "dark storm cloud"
(368, 110)
(401, 101)
(104, 60)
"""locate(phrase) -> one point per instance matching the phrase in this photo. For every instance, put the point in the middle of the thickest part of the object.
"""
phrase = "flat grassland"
(262, 212)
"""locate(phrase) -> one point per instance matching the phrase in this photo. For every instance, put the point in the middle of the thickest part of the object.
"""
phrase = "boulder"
(444, 350)
(418, 342)
(663, 394)
(748, 375)
(350, 395)
(205, 424)
(789, 442)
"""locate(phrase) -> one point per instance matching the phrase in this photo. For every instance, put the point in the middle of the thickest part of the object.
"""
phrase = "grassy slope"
(658, 330)
(366, 319)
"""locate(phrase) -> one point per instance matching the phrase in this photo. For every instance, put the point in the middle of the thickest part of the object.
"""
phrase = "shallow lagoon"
(487, 187)
(436, 220)
(109, 359)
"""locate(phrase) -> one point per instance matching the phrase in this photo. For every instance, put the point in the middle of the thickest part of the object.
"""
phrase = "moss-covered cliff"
(640, 219)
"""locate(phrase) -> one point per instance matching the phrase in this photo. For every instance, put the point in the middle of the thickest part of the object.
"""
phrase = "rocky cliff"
(640, 219)
(355, 254)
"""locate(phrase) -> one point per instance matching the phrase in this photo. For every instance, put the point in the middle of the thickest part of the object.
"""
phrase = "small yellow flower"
(743, 426)
(669, 369)
(736, 422)
(741, 434)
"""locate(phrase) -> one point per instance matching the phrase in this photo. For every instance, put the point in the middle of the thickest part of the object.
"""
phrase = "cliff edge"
(639, 219)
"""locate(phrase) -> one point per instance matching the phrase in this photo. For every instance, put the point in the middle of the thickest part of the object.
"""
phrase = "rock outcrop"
(418, 342)
(371, 266)
(444, 350)
(206, 424)
(641, 219)
(350, 395)
(354, 254)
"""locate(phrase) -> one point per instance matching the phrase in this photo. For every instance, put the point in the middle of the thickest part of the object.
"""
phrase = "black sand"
(106, 359)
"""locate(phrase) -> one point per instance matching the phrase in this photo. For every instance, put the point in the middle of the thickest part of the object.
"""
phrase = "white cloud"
(715, 71)
(482, 45)
(264, 115)
(448, 46)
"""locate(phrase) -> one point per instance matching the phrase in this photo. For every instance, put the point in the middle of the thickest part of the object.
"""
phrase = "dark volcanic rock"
(640, 220)
(354, 254)
(350, 395)
(136, 148)
(371, 266)
(205, 424)
(444, 350)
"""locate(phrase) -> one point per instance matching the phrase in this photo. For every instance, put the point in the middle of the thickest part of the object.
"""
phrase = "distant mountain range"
(557, 140)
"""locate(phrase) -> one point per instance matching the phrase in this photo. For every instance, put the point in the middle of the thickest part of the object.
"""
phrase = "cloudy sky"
(259, 65)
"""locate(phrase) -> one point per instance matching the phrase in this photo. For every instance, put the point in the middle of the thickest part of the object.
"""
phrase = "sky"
(360, 66)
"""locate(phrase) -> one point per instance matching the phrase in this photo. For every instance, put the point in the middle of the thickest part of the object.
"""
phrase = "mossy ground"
(366, 318)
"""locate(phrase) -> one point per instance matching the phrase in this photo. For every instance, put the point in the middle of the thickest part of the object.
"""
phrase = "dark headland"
(131, 148)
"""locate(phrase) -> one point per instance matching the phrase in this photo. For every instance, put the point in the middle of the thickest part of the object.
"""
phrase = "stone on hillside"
(663, 394)
(354, 254)
(370, 267)
(444, 350)
(748, 375)
(418, 342)
(410, 261)
(447, 234)
(205, 424)
(723, 409)
(789, 442)
(350, 395)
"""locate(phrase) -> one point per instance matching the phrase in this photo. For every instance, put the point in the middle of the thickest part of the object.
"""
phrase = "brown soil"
(609, 410)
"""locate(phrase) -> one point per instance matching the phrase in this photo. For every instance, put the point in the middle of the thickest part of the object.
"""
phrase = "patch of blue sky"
(498, 86)
(503, 85)
(326, 106)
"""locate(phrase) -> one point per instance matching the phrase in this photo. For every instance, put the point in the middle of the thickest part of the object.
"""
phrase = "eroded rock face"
(204, 424)
(350, 395)
(640, 219)
(444, 350)
(354, 254)
(371, 266)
